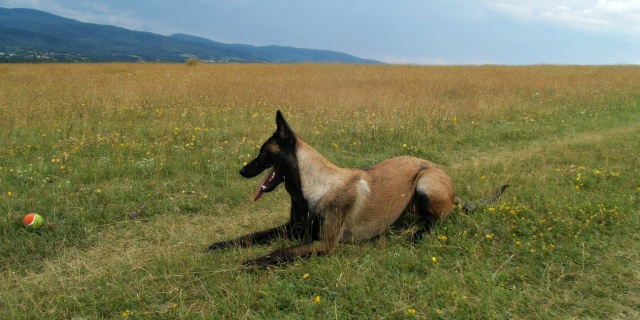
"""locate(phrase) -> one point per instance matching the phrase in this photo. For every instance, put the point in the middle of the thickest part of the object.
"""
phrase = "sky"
(512, 32)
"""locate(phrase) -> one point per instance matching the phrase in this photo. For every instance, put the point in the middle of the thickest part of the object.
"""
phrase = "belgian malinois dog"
(330, 205)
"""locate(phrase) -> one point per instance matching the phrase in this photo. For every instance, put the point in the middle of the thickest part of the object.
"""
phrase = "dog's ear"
(283, 131)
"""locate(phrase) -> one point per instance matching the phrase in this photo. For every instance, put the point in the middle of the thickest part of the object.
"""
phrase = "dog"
(330, 205)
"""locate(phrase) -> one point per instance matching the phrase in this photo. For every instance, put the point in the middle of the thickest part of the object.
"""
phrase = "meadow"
(134, 168)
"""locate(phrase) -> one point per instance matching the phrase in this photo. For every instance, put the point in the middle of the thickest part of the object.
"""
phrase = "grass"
(88, 146)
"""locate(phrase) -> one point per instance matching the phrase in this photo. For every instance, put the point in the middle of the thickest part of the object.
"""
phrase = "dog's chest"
(318, 189)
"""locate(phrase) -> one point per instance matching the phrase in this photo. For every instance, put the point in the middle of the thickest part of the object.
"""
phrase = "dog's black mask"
(276, 153)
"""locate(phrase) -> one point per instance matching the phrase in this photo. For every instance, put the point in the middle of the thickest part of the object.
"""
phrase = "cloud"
(98, 13)
(605, 15)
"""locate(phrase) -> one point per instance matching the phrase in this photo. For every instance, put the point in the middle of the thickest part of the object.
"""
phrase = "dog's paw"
(263, 262)
(220, 245)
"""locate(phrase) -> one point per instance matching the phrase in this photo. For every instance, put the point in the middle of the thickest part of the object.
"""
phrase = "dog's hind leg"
(433, 198)
(427, 219)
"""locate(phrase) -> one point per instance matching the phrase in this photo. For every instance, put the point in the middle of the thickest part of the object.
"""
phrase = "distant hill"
(28, 35)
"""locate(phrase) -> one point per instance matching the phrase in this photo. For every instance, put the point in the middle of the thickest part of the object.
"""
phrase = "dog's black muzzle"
(253, 168)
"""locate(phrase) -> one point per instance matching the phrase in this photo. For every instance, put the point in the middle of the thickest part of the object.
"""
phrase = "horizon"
(463, 32)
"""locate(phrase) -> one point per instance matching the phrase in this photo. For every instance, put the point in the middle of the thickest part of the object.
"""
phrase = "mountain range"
(28, 35)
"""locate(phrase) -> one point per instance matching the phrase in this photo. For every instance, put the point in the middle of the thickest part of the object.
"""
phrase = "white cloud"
(602, 15)
(101, 14)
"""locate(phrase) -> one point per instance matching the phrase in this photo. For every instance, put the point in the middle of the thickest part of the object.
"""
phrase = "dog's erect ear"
(283, 131)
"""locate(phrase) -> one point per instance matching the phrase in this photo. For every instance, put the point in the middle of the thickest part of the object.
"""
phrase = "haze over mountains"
(28, 35)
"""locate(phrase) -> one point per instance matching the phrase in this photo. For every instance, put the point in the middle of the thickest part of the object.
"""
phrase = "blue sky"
(400, 31)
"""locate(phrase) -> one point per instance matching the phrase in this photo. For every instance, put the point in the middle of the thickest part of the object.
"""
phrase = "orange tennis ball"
(32, 220)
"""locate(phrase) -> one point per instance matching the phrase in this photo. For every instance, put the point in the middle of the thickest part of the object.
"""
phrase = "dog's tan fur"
(360, 204)
(350, 204)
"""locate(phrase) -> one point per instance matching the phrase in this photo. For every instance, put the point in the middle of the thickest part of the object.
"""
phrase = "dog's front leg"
(260, 237)
(289, 254)
(331, 233)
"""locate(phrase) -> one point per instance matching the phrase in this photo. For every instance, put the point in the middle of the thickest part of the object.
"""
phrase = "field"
(134, 168)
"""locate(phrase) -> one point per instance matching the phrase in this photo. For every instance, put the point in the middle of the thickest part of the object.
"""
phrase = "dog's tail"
(470, 207)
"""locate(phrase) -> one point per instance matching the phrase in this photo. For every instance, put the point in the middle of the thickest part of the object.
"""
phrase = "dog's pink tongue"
(263, 184)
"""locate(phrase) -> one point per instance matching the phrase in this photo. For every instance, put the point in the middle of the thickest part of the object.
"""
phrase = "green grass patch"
(134, 169)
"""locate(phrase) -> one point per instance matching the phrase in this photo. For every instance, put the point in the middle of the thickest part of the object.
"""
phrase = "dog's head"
(277, 153)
